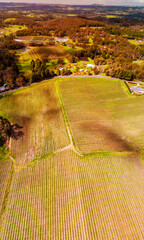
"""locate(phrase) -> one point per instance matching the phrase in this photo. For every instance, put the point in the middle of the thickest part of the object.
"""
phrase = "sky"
(83, 2)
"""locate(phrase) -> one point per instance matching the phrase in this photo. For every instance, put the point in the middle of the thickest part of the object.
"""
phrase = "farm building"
(91, 65)
(137, 90)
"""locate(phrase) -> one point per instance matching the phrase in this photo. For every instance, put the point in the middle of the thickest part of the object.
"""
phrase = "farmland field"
(129, 114)
(69, 197)
(37, 110)
(76, 171)
(93, 126)
(11, 29)
(5, 174)
(24, 59)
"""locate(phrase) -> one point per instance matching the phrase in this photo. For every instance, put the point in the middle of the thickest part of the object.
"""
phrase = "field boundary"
(66, 121)
(127, 88)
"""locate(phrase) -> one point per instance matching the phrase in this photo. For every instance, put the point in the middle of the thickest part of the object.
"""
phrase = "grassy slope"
(37, 110)
(68, 197)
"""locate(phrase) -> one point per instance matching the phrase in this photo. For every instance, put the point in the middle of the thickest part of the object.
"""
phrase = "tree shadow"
(8, 131)
(15, 132)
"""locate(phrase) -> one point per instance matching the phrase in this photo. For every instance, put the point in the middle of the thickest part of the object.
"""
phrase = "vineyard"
(87, 105)
(40, 53)
(36, 109)
(69, 197)
(76, 172)
(31, 39)
(5, 174)
(129, 114)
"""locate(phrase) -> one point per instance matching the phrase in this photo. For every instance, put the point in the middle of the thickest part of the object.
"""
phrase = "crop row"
(5, 169)
(34, 54)
(69, 197)
(93, 124)
(37, 111)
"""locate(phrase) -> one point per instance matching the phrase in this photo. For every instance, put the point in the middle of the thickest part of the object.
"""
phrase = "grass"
(11, 29)
(25, 67)
(136, 42)
(4, 154)
(9, 19)
(112, 16)
(68, 197)
(31, 15)
(37, 110)
(71, 50)
(139, 61)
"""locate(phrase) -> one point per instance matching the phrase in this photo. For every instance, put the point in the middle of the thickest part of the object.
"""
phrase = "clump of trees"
(40, 70)
(9, 72)
(12, 45)
(8, 42)
(5, 129)
(8, 130)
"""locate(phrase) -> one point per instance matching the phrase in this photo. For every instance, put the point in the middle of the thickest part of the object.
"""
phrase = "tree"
(5, 129)
(9, 77)
(32, 65)
(20, 81)
(37, 64)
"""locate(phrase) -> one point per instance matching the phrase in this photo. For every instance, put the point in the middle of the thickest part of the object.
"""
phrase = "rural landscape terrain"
(71, 122)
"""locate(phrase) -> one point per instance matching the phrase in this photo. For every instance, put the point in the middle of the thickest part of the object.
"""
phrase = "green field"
(9, 19)
(11, 29)
(77, 171)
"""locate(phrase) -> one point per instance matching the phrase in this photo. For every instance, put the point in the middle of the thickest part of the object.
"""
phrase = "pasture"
(11, 29)
(69, 197)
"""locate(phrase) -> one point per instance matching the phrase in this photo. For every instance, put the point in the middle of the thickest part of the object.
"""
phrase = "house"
(61, 68)
(3, 88)
(61, 40)
(91, 65)
(137, 90)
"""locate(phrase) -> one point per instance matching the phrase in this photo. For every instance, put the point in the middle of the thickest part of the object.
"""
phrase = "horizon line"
(62, 4)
